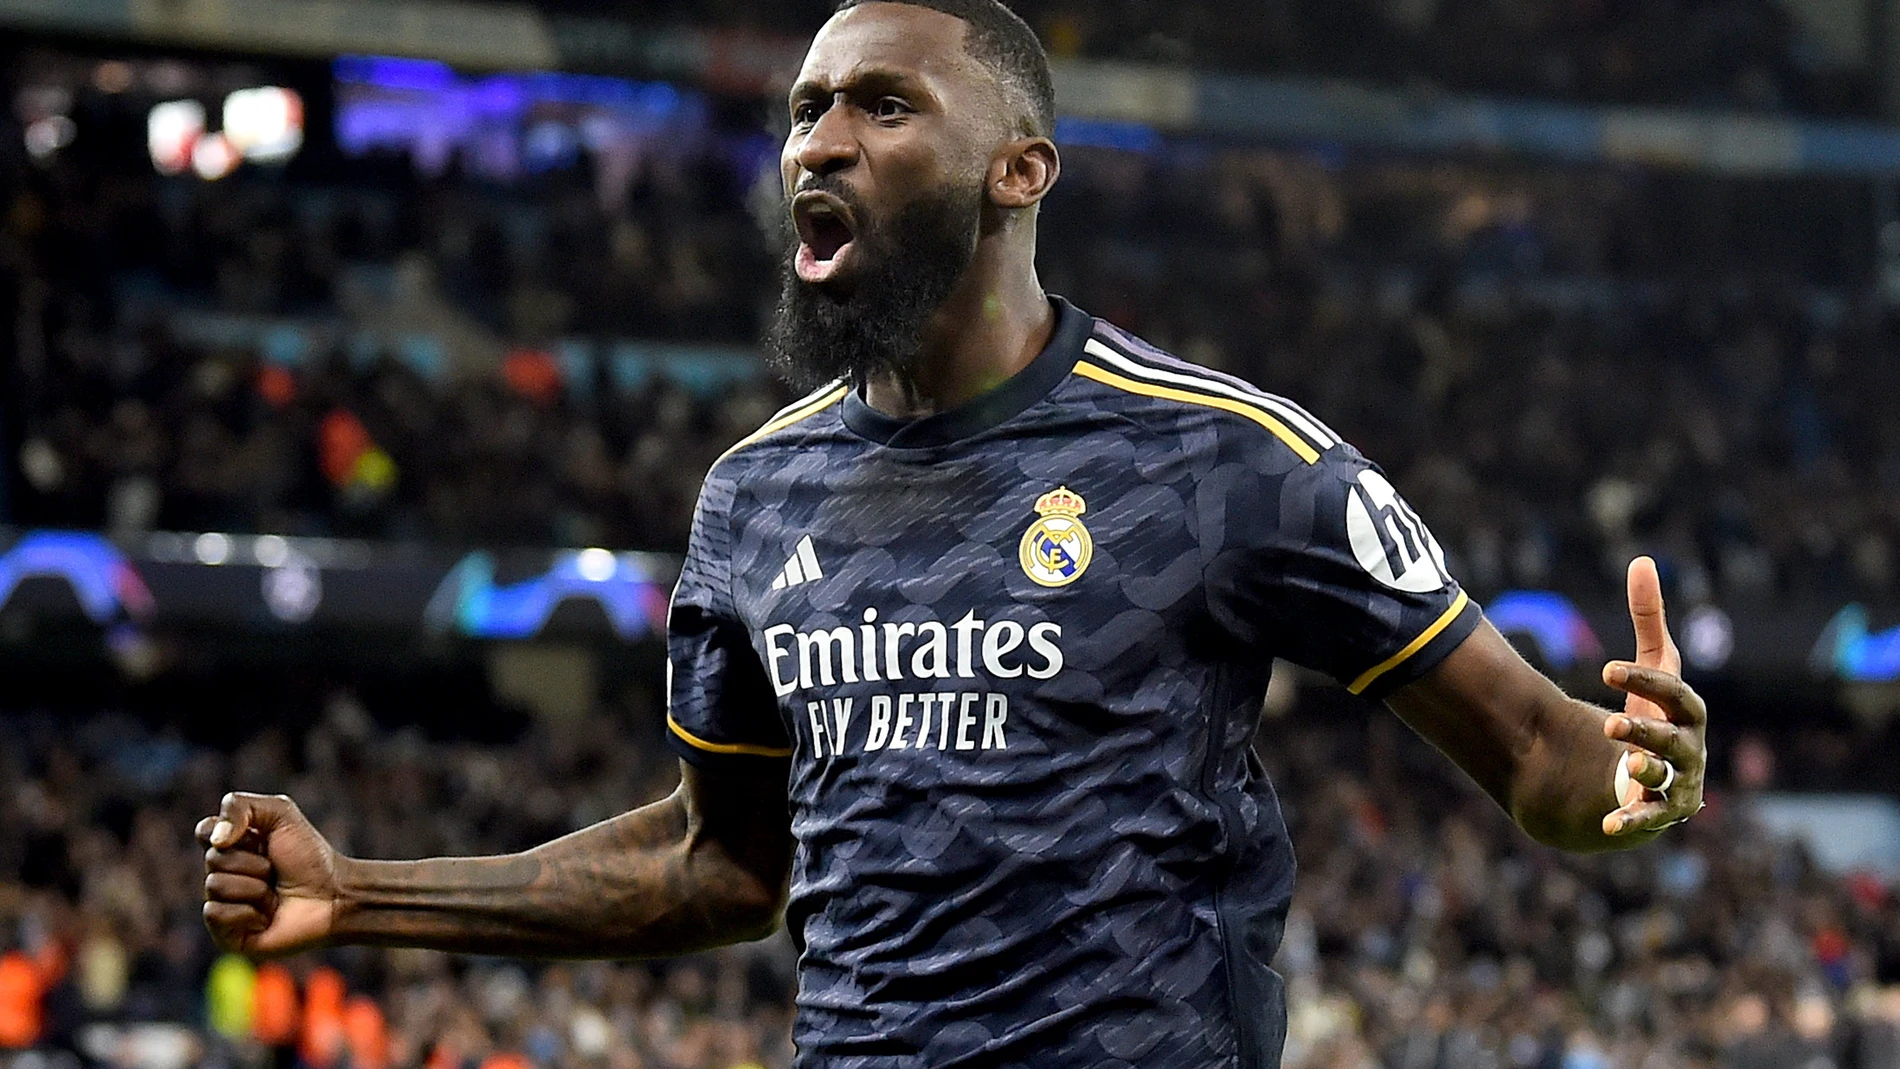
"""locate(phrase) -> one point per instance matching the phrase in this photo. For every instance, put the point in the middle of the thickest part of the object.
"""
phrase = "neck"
(990, 327)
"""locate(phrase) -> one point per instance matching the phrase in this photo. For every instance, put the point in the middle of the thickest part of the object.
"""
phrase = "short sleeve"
(1326, 565)
(720, 706)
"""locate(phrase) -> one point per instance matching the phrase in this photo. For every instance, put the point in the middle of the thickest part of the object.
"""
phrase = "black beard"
(906, 268)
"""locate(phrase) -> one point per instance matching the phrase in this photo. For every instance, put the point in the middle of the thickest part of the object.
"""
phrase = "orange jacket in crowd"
(366, 1033)
(507, 1060)
(274, 1011)
(323, 1037)
(23, 984)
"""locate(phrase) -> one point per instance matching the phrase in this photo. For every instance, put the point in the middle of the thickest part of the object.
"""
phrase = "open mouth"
(825, 234)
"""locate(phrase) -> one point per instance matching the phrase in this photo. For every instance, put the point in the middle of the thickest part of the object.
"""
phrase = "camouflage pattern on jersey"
(1011, 659)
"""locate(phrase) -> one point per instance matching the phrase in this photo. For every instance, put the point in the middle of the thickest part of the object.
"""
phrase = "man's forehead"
(888, 39)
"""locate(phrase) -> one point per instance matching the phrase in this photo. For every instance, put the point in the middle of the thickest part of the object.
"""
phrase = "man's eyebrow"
(861, 82)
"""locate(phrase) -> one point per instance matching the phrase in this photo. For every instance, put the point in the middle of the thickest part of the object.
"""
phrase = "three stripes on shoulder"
(1111, 366)
(1287, 421)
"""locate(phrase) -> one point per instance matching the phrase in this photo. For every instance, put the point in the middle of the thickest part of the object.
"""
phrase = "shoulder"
(713, 533)
(1154, 385)
(792, 425)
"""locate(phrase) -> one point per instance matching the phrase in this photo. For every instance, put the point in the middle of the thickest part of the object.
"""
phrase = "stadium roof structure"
(1119, 104)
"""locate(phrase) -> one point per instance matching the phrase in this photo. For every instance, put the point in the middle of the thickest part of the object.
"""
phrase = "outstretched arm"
(704, 867)
(1551, 760)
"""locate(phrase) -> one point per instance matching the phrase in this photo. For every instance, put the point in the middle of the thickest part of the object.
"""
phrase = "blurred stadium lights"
(262, 124)
(1561, 636)
(595, 565)
(238, 581)
(172, 129)
(292, 587)
(113, 76)
(48, 135)
(1708, 638)
(227, 581)
(212, 548)
(272, 551)
(109, 589)
(503, 125)
(470, 602)
(1850, 650)
(44, 112)
(213, 157)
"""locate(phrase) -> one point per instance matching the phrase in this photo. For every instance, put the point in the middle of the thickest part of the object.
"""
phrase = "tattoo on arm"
(698, 869)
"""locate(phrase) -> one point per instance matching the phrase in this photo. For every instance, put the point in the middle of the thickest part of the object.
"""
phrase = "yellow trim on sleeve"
(779, 423)
(1358, 686)
(698, 743)
(1168, 393)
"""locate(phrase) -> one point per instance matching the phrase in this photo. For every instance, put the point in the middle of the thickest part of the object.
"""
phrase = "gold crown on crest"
(1061, 501)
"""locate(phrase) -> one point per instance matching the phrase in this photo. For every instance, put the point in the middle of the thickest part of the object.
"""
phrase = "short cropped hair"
(1000, 40)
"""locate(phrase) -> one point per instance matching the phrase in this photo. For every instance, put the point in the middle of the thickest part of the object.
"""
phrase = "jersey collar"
(986, 410)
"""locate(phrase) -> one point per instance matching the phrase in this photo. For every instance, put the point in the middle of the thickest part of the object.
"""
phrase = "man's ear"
(1022, 172)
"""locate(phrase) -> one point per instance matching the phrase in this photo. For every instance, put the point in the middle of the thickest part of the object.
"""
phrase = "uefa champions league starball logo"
(1056, 549)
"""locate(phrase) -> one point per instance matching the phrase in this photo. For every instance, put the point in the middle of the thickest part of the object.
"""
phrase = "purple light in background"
(500, 96)
(1104, 133)
(501, 122)
(753, 153)
(390, 72)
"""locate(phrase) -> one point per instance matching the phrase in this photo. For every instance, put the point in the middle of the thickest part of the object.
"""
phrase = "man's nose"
(829, 145)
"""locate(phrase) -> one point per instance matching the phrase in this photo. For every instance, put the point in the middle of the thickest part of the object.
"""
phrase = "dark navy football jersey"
(1010, 659)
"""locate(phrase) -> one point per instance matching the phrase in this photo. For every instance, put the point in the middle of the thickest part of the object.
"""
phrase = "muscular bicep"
(739, 828)
(1479, 705)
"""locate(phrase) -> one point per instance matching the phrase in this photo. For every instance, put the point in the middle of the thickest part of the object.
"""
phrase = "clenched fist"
(270, 877)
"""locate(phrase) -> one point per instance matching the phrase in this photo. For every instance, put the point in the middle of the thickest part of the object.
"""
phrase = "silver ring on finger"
(1669, 779)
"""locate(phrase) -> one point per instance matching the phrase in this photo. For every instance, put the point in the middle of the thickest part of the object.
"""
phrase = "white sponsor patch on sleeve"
(1389, 540)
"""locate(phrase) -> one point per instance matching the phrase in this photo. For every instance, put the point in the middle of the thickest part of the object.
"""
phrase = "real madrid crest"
(1056, 548)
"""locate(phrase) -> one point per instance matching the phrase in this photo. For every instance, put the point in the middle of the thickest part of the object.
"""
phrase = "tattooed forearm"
(699, 869)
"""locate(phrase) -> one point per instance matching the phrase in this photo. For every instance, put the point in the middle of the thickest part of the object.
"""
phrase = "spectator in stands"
(1465, 323)
(1428, 934)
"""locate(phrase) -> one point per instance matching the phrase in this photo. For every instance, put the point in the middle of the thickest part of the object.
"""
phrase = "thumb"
(1654, 649)
(240, 814)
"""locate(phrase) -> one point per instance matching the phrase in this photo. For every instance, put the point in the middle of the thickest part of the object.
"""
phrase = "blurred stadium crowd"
(1427, 933)
(99, 892)
(1561, 368)
(1740, 54)
(1731, 53)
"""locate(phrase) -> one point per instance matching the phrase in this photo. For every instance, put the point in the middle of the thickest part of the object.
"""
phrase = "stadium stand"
(1426, 934)
(1524, 326)
(111, 951)
(1750, 54)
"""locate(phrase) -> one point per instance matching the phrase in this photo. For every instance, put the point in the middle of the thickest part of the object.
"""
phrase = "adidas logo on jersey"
(801, 568)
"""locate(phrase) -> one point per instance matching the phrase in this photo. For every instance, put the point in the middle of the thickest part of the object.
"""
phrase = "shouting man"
(970, 643)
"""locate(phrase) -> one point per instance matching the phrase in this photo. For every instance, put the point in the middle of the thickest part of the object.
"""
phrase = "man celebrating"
(970, 643)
